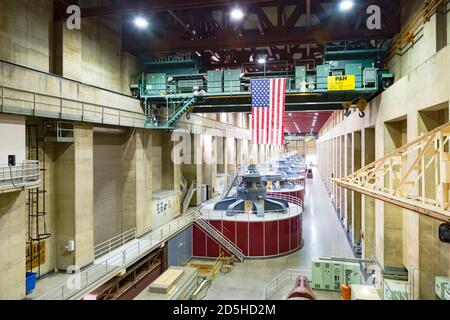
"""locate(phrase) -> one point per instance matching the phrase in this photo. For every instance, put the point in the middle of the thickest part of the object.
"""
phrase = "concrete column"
(230, 155)
(13, 226)
(209, 171)
(193, 170)
(74, 203)
(368, 203)
(137, 182)
(67, 52)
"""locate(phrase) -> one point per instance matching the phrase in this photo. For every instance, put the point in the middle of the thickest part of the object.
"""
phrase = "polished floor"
(323, 237)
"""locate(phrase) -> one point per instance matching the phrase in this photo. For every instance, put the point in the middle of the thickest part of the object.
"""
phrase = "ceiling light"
(140, 22)
(237, 14)
(316, 114)
(345, 5)
(290, 114)
(261, 60)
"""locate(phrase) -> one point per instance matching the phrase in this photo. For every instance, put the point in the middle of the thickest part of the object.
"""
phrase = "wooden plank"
(165, 282)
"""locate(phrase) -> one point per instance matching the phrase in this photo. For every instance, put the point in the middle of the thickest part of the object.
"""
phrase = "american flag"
(268, 106)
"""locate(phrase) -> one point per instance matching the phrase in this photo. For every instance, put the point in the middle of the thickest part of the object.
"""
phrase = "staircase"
(176, 107)
(184, 186)
(181, 107)
(187, 196)
(219, 237)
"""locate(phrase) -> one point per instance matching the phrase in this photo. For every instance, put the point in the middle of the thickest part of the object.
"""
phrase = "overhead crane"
(175, 85)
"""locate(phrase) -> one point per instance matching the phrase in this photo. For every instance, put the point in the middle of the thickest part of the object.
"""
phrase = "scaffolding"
(403, 177)
(36, 203)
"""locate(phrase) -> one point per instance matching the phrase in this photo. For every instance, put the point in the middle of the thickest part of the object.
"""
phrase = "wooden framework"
(415, 177)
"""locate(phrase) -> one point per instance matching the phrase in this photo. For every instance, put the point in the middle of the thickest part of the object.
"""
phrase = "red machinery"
(302, 290)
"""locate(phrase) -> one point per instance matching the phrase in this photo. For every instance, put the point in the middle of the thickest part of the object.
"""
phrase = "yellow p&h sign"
(342, 83)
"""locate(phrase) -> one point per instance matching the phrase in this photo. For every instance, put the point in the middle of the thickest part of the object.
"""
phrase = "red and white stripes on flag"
(268, 107)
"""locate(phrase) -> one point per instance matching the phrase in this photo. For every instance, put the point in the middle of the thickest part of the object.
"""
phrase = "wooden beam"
(420, 208)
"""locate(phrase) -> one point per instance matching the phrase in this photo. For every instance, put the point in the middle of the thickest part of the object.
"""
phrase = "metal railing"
(109, 264)
(40, 104)
(114, 243)
(211, 214)
(279, 286)
(219, 237)
(188, 196)
(24, 175)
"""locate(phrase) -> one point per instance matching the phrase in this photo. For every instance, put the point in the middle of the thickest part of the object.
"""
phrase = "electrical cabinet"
(447, 293)
(327, 276)
(300, 77)
(356, 70)
(395, 290)
(215, 81)
(351, 273)
(330, 274)
(317, 275)
(231, 80)
(156, 83)
(323, 71)
(440, 285)
(337, 277)
(370, 77)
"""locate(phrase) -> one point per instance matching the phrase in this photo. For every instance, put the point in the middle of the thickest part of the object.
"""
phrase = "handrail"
(125, 117)
(217, 264)
(26, 174)
(275, 285)
(106, 266)
(113, 243)
(409, 30)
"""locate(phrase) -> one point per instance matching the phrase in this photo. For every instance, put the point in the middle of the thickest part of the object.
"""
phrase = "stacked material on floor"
(165, 282)
(177, 283)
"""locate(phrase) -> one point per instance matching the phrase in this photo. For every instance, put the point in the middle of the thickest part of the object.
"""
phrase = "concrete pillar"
(356, 196)
(209, 171)
(137, 182)
(13, 226)
(193, 169)
(67, 52)
(74, 203)
(221, 155)
(230, 155)
(368, 203)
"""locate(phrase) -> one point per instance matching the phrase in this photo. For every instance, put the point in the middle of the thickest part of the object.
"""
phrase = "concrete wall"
(427, 40)
(401, 238)
(107, 187)
(30, 37)
(12, 245)
(12, 141)
(74, 203)
(26, 33)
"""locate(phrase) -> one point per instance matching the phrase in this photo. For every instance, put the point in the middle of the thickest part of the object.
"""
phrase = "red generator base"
(298, 193)
(270, 238)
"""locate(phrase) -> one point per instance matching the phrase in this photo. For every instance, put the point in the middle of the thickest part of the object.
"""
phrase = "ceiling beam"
(158, 6)
(275, 38)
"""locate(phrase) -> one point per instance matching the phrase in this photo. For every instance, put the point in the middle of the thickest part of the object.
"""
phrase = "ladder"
(37, 225)
(188, 196)
(219, 237)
